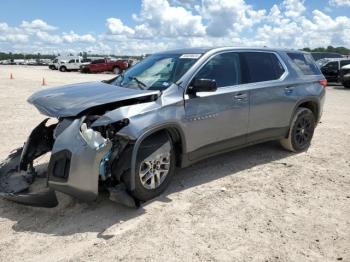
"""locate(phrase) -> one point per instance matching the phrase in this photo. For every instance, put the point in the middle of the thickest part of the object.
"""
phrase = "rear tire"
(63, 69)
(301, 131)
(145, 189)
(346, 85)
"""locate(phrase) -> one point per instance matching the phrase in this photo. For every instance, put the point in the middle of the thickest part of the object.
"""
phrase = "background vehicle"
(331, 68)
(174, 108)
(74, 64)
(105, 65)
(56, 63)
(345, 76)
(60, 60)
(321, 55)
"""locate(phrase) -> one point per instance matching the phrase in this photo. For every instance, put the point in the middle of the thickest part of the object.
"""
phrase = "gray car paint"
(201, 121)
(71, 100)
(216, 116)
(84, 163)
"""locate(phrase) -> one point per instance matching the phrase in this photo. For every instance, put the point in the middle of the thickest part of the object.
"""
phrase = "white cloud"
(37, 24)
(294, 8)
(3, 27)
(162, 19)
(227, 16)
(72, 37)
(339, 2)
(14, 38)
(47, 38)
(168, 24)
(116, 27)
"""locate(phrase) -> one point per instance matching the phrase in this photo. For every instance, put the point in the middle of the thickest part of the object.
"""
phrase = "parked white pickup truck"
(73, 64)
(55, 64)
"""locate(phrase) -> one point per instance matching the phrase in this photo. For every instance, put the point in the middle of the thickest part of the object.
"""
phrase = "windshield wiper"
(141, 84)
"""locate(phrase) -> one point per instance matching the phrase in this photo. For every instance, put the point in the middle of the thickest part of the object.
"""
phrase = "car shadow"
(72, 216)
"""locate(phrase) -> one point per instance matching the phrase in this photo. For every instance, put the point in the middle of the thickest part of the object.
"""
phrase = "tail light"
(323, 82)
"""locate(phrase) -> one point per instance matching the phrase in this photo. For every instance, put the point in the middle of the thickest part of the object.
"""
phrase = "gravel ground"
(256, 204)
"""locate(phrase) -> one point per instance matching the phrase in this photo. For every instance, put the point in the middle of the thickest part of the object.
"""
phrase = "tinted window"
(344, 62)
(98, 61)
(305, 63)
(224, 68)
(332, 65)
(259, 67)
(71, 61)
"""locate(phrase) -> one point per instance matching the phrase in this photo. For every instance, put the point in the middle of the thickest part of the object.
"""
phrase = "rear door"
(72, 64)
(217, 121)
(270, 98)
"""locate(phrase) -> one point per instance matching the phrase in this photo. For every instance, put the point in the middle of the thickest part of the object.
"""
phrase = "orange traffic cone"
(44, 82)
(11, 76)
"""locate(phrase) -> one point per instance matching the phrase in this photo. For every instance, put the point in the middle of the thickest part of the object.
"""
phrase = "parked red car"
(105, 65)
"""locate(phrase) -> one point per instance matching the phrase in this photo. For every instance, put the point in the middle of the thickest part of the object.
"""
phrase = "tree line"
(340, 50)
(9, 56)
(12, 56)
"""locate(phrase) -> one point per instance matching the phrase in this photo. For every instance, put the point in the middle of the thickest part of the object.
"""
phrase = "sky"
(134, 27)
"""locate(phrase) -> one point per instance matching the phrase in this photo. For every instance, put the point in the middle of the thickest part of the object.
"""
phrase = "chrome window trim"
(282, 78)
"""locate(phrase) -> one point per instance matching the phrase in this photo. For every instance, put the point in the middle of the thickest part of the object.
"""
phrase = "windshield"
(156, 72)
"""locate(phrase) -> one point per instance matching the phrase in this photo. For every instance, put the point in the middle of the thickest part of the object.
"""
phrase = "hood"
(70, 100)
(346, 67)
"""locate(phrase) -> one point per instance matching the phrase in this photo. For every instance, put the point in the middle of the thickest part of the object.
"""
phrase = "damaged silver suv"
(128, 134)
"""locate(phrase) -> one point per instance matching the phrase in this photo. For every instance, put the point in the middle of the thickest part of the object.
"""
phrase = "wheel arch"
(173, 131)
(310, 103)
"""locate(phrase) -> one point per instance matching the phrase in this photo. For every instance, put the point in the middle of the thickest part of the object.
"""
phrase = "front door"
(217, 121)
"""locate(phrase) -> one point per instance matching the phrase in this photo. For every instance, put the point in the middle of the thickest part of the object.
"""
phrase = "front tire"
(155, 167)
(301, 131)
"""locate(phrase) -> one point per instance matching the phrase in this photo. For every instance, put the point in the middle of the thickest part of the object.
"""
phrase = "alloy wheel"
(153, 171)
(303, 132)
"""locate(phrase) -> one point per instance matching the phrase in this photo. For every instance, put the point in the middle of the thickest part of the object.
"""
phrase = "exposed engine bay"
(86, 156)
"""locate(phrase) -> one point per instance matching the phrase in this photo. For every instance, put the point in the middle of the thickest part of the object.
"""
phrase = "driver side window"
(223, 68)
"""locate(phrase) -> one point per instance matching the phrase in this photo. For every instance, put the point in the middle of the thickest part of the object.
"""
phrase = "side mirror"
(202, 85)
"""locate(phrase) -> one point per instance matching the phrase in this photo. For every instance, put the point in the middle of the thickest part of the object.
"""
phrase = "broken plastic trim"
(39, 142)
(17, 172)
(45, 198)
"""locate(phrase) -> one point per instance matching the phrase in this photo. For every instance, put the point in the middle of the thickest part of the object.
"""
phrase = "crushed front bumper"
(74, 165)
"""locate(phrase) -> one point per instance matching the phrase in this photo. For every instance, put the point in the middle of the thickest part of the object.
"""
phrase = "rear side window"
(98, 61)
(305, 63)
(223, 68)
(260, 66)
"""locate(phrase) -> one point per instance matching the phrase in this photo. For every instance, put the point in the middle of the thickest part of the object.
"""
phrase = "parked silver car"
(128, 134)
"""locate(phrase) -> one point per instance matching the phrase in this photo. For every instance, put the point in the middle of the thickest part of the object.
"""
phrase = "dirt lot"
(256, 204)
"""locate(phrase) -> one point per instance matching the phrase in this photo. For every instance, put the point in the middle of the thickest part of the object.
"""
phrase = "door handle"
(240, 97)
(288, 90)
